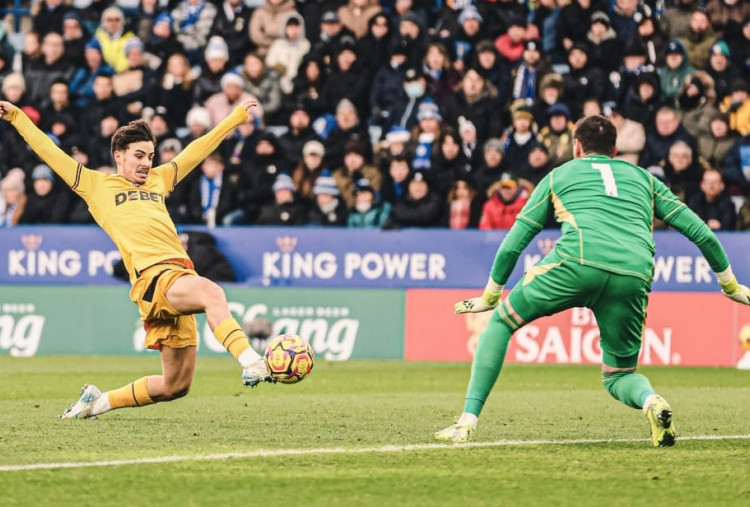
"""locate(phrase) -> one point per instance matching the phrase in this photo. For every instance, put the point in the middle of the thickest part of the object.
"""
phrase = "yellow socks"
(134, 394)
(230, 335)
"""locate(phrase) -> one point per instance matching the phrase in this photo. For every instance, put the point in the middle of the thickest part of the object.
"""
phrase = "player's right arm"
(528, 223)
(675, 213)
(58, 160)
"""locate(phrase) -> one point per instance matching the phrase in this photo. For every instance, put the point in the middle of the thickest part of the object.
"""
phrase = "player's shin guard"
(488, 361)
(230, 335)
(134, 394)
(628, 387)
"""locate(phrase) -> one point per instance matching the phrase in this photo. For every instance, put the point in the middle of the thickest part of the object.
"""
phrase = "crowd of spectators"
(381, 113)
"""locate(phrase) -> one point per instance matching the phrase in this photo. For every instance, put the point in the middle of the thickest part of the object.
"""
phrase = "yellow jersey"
(134, 216)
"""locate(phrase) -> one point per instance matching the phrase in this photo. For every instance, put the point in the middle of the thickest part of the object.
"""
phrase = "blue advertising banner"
(317, 257)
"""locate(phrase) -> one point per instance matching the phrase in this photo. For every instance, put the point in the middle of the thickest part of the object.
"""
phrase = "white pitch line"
(263, 453)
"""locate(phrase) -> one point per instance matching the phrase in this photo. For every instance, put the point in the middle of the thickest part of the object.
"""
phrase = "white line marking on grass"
(261, 453)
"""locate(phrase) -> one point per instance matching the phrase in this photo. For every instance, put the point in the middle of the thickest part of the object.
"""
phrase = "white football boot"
(256, 373)
(81, 409)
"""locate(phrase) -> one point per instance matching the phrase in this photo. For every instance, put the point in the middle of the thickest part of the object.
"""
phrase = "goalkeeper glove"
(487, 301)
(733, 289)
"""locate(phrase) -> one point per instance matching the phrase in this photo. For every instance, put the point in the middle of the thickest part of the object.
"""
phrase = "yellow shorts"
(165, 326)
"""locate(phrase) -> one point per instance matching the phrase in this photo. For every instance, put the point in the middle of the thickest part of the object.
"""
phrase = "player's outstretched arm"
(42, 145)
(195, 152)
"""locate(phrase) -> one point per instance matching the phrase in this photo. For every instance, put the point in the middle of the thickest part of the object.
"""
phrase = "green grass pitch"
(360, 433)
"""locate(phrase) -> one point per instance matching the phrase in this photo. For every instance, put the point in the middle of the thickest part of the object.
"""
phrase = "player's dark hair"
(597, 134)
(134, 132)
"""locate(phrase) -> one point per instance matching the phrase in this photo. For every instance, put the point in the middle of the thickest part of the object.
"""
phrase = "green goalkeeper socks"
(488, 361)
(628, 387)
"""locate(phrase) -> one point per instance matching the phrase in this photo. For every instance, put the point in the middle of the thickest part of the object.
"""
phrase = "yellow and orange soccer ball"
(289, 358)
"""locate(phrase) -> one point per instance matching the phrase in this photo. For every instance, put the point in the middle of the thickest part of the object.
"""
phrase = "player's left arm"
(528, 223)
(199, 149)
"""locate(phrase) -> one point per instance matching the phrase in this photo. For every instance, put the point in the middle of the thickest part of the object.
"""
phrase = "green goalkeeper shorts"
(618, 302)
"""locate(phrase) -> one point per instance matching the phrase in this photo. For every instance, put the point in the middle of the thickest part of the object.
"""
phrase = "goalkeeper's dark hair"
(597, 135)
(134, 132)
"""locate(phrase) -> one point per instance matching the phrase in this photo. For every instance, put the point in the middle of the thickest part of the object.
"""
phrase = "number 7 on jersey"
(608, 178)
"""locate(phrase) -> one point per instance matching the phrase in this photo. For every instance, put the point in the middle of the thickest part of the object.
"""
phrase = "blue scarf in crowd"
(193, 13)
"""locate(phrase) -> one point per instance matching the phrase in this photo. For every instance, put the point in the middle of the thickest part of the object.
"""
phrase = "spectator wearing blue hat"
(557, 136)
(429, 118)
(722, 69)
(675, 71)
(82, 81)
(113, 35)
(349, 127)
(162, 42)
(285, 209)
(367, 211)
(46, 204)
(470, 33)
(329, 208)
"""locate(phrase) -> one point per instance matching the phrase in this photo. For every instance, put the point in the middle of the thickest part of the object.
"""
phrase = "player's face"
(134, 163)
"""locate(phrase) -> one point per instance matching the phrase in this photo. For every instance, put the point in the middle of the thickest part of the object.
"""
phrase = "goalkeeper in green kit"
(602, 261)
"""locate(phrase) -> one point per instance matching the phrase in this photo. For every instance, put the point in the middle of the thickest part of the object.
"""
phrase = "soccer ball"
(289, 358)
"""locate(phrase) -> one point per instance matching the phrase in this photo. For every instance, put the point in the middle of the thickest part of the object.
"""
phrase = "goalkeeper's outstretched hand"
(732, 289)
(736, 292)
(487, 301)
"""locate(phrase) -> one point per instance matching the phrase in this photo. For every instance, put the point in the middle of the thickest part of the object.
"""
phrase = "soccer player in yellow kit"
(130, 207)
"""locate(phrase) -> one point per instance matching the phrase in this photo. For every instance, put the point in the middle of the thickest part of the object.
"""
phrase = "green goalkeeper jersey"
(606, 208)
